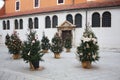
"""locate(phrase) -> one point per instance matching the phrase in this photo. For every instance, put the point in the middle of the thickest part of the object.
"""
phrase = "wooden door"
(66, 33)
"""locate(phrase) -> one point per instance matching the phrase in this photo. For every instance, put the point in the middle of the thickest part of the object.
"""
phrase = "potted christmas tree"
(56, 46)
(87, 52)
(45, 45)
(31, 51)
(68, 43)
(14, 45)
(8, 42)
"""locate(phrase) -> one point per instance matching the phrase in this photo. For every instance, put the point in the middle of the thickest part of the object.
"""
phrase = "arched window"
(16, 24)
(36, 23)
(69, 18)
(78, 20)
(30, 23)
(21, 24)
(4, 25)
(8, 24)
(96, 19)
(106, 19)
(47, 22)
(54, 21)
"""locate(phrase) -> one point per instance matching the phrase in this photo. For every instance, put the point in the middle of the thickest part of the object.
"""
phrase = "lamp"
(1, 3)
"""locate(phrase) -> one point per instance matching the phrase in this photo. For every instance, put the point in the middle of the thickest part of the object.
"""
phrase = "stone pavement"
(66, 68)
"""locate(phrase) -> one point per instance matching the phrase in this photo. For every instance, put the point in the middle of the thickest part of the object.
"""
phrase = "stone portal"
(67, 29)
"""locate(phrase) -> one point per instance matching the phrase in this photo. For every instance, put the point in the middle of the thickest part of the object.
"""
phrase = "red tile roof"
(86, 5)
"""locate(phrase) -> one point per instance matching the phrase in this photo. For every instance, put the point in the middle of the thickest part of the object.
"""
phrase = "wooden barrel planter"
(34, 65)
(67, 50)
(57, 55)
(45, 51)
(86, 64)
(16, 56)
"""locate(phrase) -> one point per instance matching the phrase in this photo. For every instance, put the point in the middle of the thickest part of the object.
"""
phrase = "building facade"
(64, 17)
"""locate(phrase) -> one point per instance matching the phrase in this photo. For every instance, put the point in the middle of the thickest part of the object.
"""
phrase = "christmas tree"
(45, 43)
(8, 41)
(56, 46)
(14, 44)
(68, 43)
(88, 49)
(31, 51)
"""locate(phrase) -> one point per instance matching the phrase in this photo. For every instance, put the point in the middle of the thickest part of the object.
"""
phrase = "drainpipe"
(86, 19)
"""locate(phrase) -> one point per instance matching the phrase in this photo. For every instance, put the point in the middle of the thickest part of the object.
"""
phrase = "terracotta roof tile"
(86, 5)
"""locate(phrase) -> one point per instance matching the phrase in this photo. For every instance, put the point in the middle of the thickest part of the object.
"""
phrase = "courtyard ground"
(65, 68)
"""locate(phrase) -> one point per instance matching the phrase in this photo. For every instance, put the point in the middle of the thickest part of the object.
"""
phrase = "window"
(36, 3)
(47, 22)
(60, 1)
(21, 24)
(106, 19)
(16, 24)
(96, 19)
(8, 24)
(78, 20)
(36, 23)
(17, 5)
(30, 22)
(69, 18)
(54, 21)
(4, 25)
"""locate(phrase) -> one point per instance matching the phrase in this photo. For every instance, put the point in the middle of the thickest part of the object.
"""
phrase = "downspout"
(73, 31)
(86, 22)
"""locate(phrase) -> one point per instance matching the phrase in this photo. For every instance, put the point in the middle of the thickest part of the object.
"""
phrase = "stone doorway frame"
(65, 26)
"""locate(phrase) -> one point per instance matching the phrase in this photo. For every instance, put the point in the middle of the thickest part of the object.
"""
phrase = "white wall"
(107, 37)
